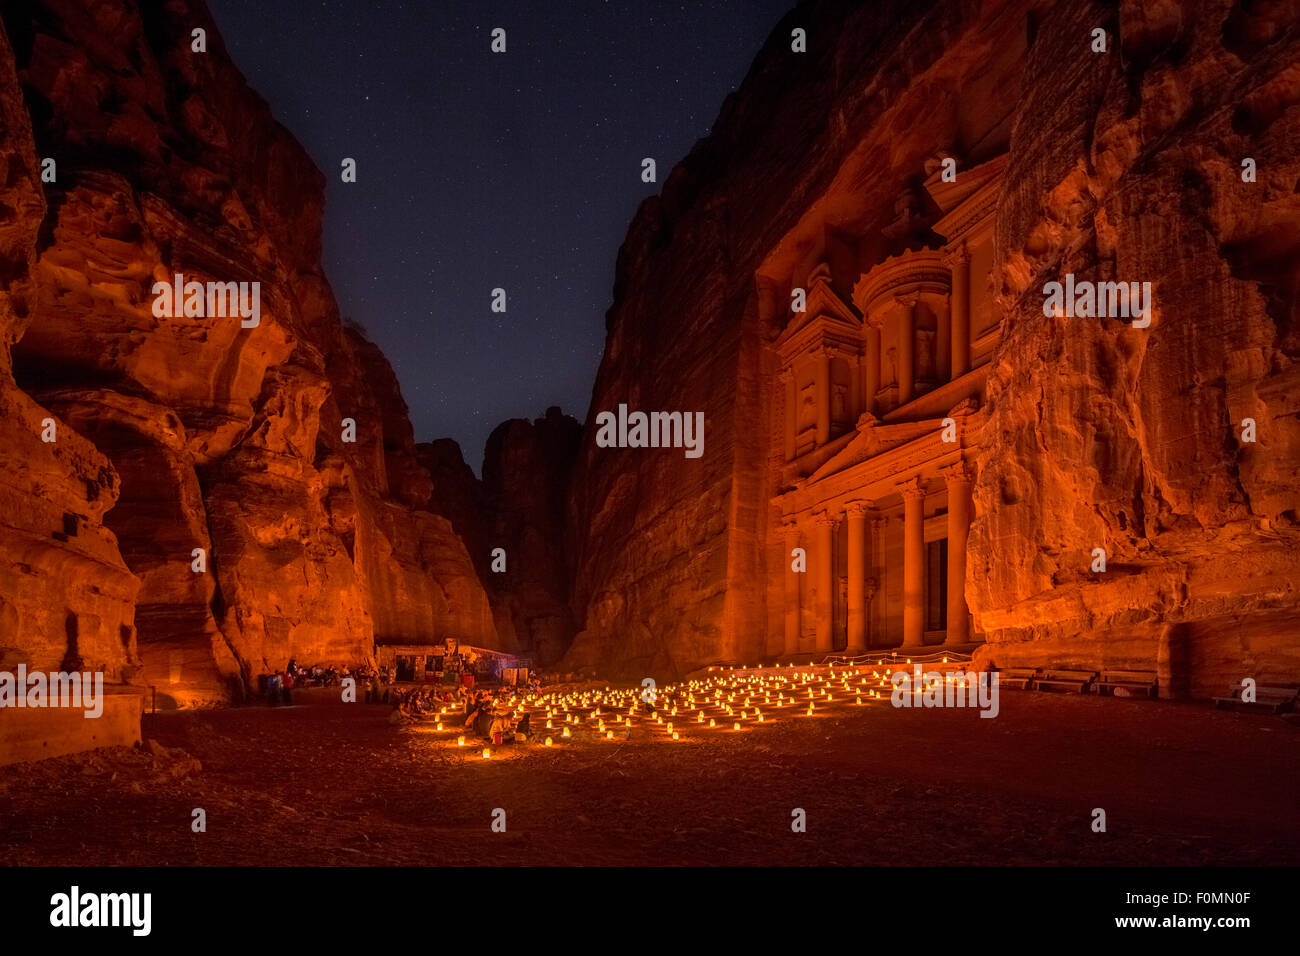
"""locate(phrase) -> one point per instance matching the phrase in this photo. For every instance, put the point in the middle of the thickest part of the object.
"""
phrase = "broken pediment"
(822, 308)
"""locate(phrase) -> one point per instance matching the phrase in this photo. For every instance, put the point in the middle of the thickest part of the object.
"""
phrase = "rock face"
(207, 512)
(66, 596)
(1105, 436)
(1122, 165)
(519, 507)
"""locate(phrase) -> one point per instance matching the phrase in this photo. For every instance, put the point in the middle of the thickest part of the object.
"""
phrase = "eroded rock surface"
(187, 439)
(519, 507)
(1121, 165)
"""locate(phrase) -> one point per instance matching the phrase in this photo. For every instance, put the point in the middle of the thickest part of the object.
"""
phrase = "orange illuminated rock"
(200, 435)
(1081, 433)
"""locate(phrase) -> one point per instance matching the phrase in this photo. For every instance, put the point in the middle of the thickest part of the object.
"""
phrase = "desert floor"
(335, 784)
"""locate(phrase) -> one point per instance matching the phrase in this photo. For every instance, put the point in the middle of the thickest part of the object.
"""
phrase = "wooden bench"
(1067, 681)
(1126, 684)
(1017, 678)
(1272, 699)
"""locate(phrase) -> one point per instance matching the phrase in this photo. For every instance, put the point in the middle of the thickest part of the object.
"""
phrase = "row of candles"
(713, 701)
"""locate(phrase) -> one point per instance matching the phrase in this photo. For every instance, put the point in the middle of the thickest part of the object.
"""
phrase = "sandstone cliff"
(177, 434)
(1124, 164)
(519, 507)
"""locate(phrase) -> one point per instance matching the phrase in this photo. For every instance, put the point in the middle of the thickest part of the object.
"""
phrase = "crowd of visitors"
(278, 686)
(486, 714)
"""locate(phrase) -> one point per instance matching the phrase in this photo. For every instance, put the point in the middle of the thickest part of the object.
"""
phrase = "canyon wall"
(190, 439)
(1100, 435)
(1124, 164)
(519, 507)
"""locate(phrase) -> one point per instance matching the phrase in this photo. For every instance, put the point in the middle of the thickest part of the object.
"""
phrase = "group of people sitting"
(488, 715)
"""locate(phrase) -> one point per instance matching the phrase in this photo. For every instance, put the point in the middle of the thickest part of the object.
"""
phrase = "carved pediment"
(948, 196)
(822, 308)
(875, 439)
(967, 406)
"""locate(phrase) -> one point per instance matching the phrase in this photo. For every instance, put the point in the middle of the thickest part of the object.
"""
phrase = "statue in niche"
(807, 409)
(925, 355)
(839, 410)
(891, 364)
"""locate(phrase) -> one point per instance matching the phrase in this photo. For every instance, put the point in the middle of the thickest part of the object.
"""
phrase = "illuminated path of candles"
(726, 700)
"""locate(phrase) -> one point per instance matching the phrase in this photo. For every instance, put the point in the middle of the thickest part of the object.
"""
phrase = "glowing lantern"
(566, 732)
(736, 725)
(438, 726)
(486, 753)
(460, 741)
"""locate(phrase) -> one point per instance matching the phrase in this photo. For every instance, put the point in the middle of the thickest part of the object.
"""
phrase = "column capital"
(956, 255)
(859, 509)
(959, 473)
(907, 300)
(785, 375)
(826, 519)
(913, 489)
(826, 351)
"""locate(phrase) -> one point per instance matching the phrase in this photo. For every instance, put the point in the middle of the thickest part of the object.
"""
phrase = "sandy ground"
(339, 785)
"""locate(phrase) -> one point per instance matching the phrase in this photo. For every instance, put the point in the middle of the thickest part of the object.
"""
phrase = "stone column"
(791, 410)
(913, 492)
(856, 528)
(871, 380)
(880, 612)
(855, 407)
(907, 348)
(958, 261)
(824, 542)
(959, 478)
(824, 395)
(870, 595)
(792, 582)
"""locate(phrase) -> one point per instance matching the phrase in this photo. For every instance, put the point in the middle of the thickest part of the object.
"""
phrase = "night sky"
(478, 170)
